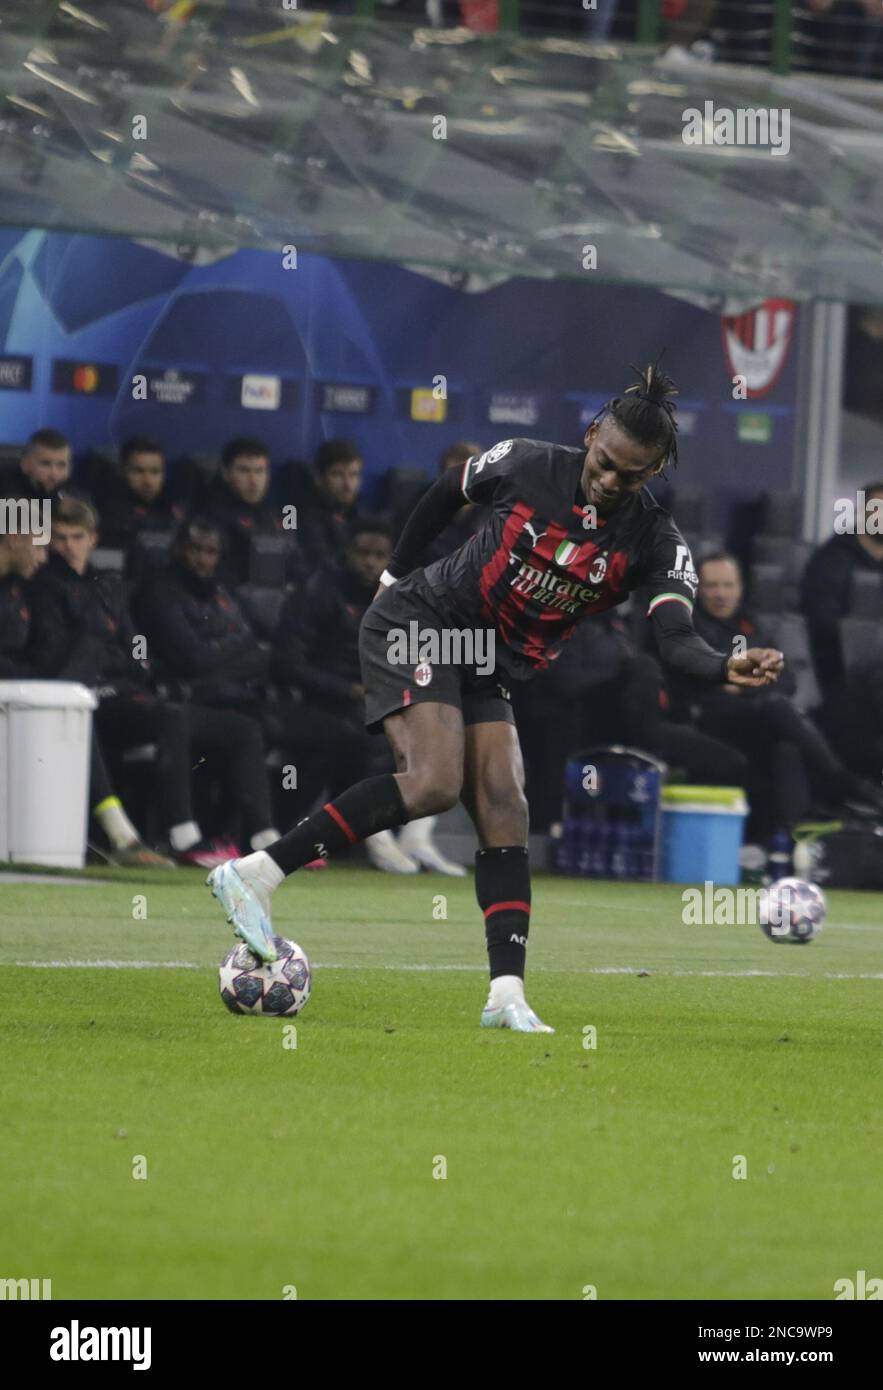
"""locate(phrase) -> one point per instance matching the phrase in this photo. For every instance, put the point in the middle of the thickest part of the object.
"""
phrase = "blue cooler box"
(702, 830)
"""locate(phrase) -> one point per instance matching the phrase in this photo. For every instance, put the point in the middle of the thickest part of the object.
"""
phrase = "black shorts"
(393, 679)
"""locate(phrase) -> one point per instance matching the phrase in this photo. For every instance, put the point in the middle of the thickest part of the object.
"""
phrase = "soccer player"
(570, 532)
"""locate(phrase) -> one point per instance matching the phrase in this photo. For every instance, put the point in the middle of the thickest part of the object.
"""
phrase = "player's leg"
(493, 794)
(240, 740)
(427, 742)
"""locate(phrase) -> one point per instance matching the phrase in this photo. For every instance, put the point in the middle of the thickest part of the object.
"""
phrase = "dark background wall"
(526, 357)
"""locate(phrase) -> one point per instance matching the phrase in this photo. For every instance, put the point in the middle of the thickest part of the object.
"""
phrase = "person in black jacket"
(852, 710)
(326, 498)
(142, 502)
(19, 562)
(196, 628)
(42, 476)
(204, 644)
(826, 594)
(239, 507)
(82, 631)
(783, 743)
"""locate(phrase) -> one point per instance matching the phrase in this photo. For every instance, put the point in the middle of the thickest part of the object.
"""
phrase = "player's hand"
(758, 667)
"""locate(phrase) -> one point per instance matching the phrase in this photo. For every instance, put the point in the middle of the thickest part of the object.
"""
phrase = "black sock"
(362, 810)
(502, 886)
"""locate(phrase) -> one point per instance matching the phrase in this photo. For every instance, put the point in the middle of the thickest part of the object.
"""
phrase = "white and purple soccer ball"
(793, 910)
(252, 986)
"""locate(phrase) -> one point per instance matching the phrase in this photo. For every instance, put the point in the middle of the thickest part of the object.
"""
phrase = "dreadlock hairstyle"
(645, 412)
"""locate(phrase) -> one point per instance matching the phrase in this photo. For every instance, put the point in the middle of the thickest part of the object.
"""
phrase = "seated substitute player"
(570, 532)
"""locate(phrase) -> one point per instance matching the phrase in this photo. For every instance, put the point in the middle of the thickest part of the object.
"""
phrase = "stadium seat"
(862, 641)
(401, 490)
(782, 514)
(866, 600)
(198, 471)
(261, 607)
(107, 560)
(770, 550)
(150, 550)
(10, 455)
(267, 562)
(140, 754)
(701, 543)
(98, 475)
(688, 507)
(789, 632)
(767, 588)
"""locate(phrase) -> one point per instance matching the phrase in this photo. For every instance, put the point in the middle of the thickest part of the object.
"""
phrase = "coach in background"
(238, 506)
(19, 562)
(82, 631)
(141, 502)
(767, 725)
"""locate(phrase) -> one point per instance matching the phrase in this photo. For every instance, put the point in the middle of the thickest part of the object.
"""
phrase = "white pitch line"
(478, 969)
(108, 964)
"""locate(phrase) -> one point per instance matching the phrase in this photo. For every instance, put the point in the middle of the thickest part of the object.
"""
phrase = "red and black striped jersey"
(544, 560)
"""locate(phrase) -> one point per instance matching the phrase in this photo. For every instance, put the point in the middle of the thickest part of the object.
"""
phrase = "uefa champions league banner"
(104, 337)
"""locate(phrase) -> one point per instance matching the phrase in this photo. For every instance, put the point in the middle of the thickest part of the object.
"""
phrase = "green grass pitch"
(567, 1166)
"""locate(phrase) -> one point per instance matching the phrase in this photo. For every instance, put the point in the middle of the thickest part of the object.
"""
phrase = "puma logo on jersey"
(535, 537)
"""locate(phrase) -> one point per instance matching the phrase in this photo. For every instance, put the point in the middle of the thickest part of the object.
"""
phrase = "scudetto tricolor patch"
(669, 598)
(566, 553)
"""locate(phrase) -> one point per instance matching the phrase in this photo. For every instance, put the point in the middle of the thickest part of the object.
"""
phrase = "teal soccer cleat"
(250, 919)
(518, 1016)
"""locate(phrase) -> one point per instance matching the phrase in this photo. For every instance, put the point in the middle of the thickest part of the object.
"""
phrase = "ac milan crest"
(757, 343)
(423, 673)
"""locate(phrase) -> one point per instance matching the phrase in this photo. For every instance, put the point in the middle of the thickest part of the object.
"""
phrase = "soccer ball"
(251, 986)
(793, 910)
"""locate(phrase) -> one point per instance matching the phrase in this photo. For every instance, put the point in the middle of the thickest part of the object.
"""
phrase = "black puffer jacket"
(82, 629)
(197, 634)
(15, 629)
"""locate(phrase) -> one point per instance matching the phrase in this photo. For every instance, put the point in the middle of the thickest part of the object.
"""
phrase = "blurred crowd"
(214, 607)
(836, 36)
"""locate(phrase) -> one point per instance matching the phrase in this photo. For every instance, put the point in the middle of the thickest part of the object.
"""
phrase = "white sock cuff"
(261, 867)
(506, 989)
(184, 836)
(264, 838)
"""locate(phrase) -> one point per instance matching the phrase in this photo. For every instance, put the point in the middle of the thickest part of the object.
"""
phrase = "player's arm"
(476, 481)
(672, 584)
(682, 649)
(435, 510)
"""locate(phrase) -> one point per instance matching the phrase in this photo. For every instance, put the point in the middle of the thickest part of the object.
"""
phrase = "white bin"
(45, 733)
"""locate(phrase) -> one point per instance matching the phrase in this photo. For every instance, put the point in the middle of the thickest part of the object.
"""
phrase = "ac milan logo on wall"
(757, 343)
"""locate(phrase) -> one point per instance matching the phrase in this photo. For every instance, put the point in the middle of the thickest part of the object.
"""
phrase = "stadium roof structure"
(472, 156)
